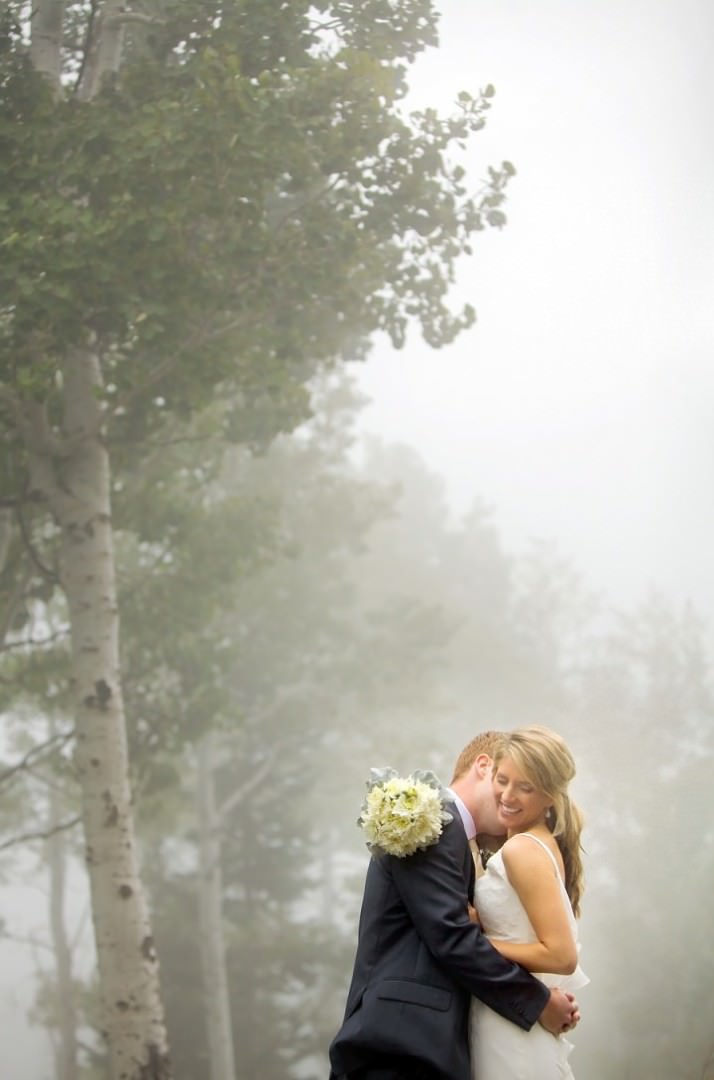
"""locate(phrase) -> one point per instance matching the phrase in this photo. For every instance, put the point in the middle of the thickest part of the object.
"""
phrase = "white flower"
(401, 814)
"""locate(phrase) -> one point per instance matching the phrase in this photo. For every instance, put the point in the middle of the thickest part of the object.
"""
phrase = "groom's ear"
(483, 765)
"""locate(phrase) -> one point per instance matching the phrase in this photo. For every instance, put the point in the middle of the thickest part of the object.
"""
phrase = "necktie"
(474, 855)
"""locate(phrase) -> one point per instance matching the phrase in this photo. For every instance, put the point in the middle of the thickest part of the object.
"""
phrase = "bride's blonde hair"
(544, 758)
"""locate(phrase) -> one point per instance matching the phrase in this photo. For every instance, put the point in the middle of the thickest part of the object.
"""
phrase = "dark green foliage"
(245, 199)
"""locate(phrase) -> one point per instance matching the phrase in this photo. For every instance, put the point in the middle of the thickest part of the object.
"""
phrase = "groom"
(419, 958)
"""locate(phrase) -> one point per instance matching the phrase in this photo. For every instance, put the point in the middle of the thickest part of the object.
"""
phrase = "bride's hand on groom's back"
(561, 1013)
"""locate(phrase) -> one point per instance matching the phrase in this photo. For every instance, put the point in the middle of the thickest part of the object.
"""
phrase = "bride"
(528, 899)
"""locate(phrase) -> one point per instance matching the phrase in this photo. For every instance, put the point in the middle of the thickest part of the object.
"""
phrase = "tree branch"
(61, 738)
(33, 643)
(33, 426)
(240, 794)
(134, 17)
(41, 835)
(22, 939)
(161, 369)
(50, 575)
(14, 600)
(39, 436)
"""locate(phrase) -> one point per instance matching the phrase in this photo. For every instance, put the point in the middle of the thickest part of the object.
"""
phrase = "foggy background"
(581, 406)
(545, 557)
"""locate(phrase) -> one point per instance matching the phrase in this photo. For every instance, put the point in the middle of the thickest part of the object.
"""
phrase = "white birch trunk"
(104, 47)
(104, 53)
(79, 492)
(213, 950)
(77, 487)
(46, 22)
(66, 1048)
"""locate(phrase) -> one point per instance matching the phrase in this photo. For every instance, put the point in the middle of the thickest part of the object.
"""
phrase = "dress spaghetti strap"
(550, 853)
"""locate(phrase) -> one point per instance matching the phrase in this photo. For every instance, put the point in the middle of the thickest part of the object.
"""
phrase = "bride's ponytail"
(566, 823)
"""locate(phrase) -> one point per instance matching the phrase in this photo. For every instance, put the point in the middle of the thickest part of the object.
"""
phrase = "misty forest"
(220, 605)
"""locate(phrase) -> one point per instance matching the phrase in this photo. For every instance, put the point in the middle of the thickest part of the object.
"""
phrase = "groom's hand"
(560, 1014)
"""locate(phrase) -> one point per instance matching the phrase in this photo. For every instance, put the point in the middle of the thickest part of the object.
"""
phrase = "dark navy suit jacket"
(419, 959)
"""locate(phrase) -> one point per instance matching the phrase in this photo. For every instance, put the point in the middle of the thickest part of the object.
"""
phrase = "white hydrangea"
(402, 815)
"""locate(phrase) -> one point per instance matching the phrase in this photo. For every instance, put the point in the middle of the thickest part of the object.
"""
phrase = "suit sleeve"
(431, 886)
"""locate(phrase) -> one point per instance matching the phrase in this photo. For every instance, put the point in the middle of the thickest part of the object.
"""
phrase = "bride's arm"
(532, 875)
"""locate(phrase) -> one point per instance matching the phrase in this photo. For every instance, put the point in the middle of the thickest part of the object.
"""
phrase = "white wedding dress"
(499, 1049)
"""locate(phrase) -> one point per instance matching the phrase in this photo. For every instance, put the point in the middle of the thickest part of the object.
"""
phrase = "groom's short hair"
(485, 743)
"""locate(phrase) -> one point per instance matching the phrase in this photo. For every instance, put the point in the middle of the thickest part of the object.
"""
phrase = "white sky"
(581, 406)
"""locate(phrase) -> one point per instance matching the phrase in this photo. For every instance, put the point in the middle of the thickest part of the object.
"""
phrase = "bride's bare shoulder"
(521, 851)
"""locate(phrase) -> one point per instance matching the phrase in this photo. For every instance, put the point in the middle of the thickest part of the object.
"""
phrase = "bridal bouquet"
(401, 815)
